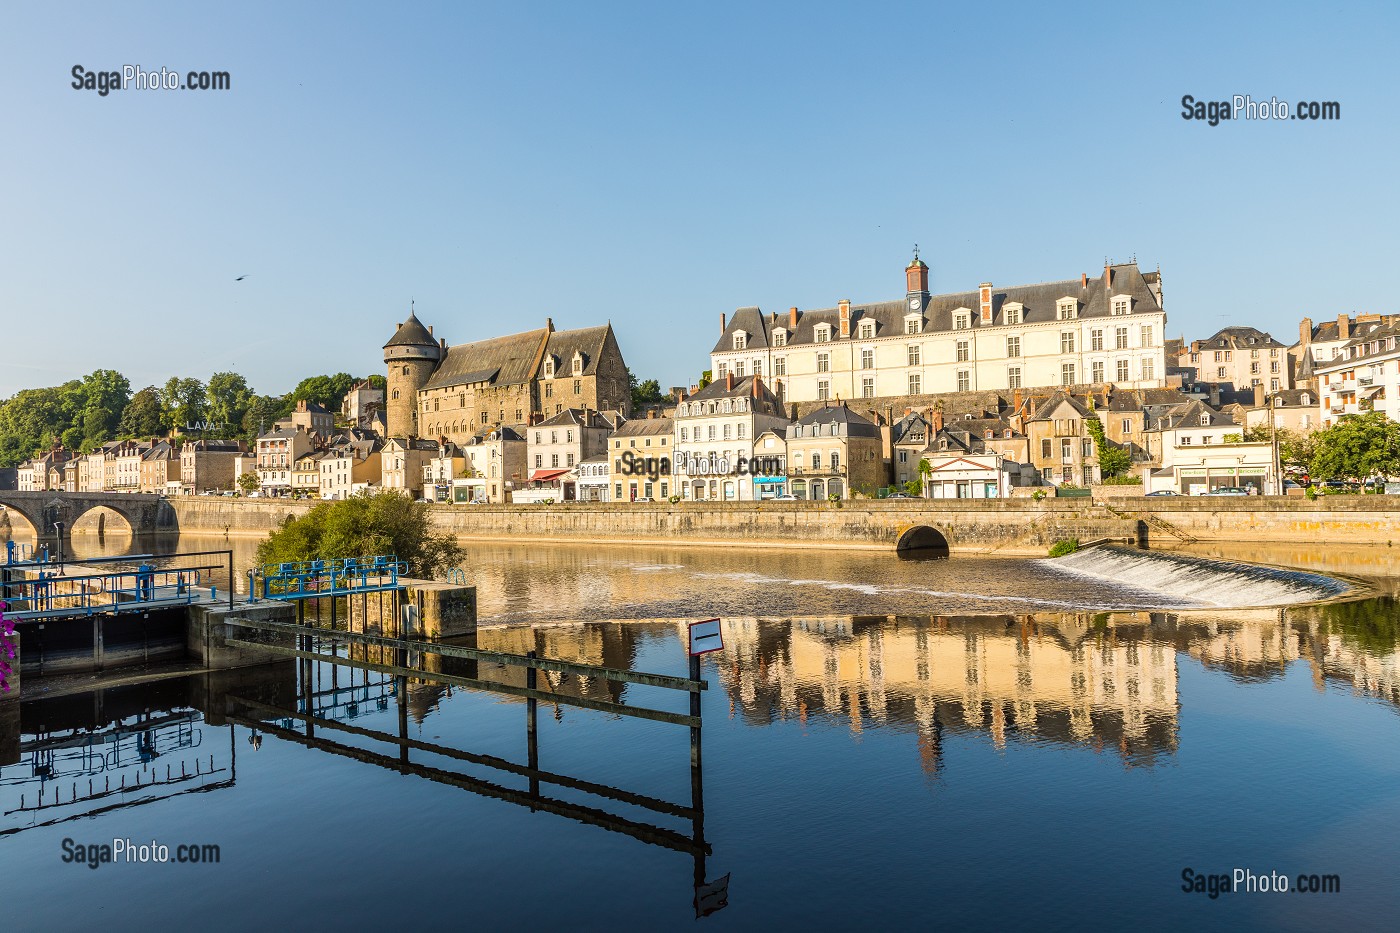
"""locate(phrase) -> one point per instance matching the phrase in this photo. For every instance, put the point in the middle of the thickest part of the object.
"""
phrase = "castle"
(436, 391)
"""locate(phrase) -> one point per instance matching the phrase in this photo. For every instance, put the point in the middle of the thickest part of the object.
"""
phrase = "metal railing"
(324, 578)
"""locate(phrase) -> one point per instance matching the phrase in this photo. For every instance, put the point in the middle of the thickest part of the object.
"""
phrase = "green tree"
(1358, 446)
(31, 421)
(227, 396)
(925, 472)
(644, 393)
(184, 401)
(365, 526)
(1113, 459)
(143, 416)
(248, 482)
(1295, 448)
(326, 391)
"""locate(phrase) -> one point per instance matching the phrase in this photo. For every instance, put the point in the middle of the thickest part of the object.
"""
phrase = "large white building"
(1106, 329)
(715, 431)
(1363, 376)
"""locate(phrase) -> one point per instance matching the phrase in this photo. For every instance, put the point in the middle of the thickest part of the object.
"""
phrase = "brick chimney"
(935, 421)
(1343, 327)
(984, 292)
(729, 380)
(1083, 280)
(723, 322)
(844, 307)
(1305, 332)
(792, 319)
(1107, 276)
(757, 386)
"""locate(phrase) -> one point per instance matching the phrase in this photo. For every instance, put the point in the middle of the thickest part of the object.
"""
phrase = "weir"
(1200, 580)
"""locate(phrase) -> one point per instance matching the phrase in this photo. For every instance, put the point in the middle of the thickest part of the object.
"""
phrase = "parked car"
(1164, 492)
(785, 499)
(644, 499)
(1228, 491)
(898, 495)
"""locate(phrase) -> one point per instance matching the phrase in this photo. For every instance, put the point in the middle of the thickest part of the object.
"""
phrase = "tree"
(143, 416)
(184, 401)
(1295, 448)
(326, 391)
(228, 398)
(644, 393)
(30, 422)
(1357, 446)
(1113, 460)
(925, 471)
(248, 482)
(387, 522)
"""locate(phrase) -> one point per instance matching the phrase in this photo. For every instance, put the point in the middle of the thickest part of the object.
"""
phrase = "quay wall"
(970, 526)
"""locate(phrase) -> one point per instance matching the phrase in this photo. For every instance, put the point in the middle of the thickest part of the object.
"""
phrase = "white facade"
(968, 476)
(715, 430)
(1364, 376)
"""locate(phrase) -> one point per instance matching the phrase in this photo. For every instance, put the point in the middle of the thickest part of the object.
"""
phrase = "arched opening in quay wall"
(922, 541)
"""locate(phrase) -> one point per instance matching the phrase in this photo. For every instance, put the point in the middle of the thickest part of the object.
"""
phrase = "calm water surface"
(966, 743)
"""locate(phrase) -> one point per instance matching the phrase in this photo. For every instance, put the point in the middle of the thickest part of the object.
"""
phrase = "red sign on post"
(705, 636)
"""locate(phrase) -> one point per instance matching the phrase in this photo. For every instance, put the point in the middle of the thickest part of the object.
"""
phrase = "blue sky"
(659, 165)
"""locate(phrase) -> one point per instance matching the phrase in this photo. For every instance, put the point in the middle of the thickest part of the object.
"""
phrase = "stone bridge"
(142, 513)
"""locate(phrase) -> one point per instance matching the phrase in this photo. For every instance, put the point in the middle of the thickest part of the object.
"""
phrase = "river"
(969, 743)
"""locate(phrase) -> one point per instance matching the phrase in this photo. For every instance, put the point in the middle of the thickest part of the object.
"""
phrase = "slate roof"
(645, 427)
(499, 361)
(1046, 411)
(411, 333)
(1038, 306)
(856, 425)
(1236, 337)
(573, 417)
(588, 341)
(1358, 349)
(743, 388)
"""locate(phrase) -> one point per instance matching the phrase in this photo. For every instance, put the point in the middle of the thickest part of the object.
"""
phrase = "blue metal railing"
(50, 594)
(326, 578)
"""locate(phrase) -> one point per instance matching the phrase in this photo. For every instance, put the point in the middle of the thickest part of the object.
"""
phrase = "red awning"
(540, 476)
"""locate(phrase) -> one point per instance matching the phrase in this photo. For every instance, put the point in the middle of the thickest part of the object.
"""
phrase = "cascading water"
(1216, 583)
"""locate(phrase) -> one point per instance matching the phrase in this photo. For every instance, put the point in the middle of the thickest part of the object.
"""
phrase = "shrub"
(1122, 481)
(1038, 495)
(1064, 546)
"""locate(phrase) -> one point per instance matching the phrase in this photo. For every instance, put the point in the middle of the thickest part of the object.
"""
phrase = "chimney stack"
(1107, 276)
(1305, 332)
(792, 319)
(1259, 395)
(757, 385)
(844, 307)
(1343, 327)
(985, 296)
(1083, 280)
(723, 322)
(430, 330)
(729, 380)
(935, 422)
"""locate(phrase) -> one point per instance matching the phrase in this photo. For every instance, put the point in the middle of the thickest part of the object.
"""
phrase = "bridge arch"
(101, 520)
(141, 512)
(922, 541)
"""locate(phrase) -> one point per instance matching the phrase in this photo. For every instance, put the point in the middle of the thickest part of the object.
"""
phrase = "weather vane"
(916, 250)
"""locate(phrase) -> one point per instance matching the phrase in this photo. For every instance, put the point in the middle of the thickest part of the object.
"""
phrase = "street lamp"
(58, 530)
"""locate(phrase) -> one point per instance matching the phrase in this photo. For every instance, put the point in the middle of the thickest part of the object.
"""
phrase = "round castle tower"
(410, 357)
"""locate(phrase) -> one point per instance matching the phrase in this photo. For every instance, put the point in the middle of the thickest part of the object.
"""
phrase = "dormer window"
(867, 330)
(1011, 312)
(1205, 419)
(961, 319)
(913, 324)
(578, 363)
(1121, 304)
(1306, 399)
(822, 334)
(1067, 309)
(741, 340)
(549, 367)
(779, 338)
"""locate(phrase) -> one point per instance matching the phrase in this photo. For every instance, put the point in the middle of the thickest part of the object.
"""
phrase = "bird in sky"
(241, 278)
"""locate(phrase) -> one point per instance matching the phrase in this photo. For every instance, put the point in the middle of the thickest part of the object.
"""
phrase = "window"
(1013, 377)
(1067, 374)
(554, 460)
(911, 325)
(867, 330)
(740, 431)
(914, 355)
(684, 435)
(549, 389)
(1254, 369)
(740, 341)
(962, 351)
(728, 431)
(721, 370)
(835, 460)
(1184, 440)
(964, 380)
(578, 365)
(867, 387)
(1096, 339)
(1120, 338)
(960, 322)
(739, 369)
(1066, 450)
(1096, 371)
(1067, 309)
(780, 338)
(539, 461)
(578, 386)
(757, 367)
(569, 460)
(710, 432)
(1273, 385)
(823, 334)
(1273, 367)
(780, 366)
(1013, 346)
(823, 390)
(1122, 371)
(1067, 341)
(1120, 306)
(1087, 449)
(1207, 439)
(915, 384)
(823, 362)
(1221, 373)
(1148, 335)
(867, 359)
(1013, 315)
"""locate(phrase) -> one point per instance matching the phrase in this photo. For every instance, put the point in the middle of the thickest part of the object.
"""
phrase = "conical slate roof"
(411, 333)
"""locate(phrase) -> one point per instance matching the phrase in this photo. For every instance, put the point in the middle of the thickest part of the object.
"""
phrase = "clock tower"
(916, 279)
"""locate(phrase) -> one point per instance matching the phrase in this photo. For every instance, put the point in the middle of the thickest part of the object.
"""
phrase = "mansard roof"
(411, 333)
(856, 425)
(1039, 304)
(588, 342)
